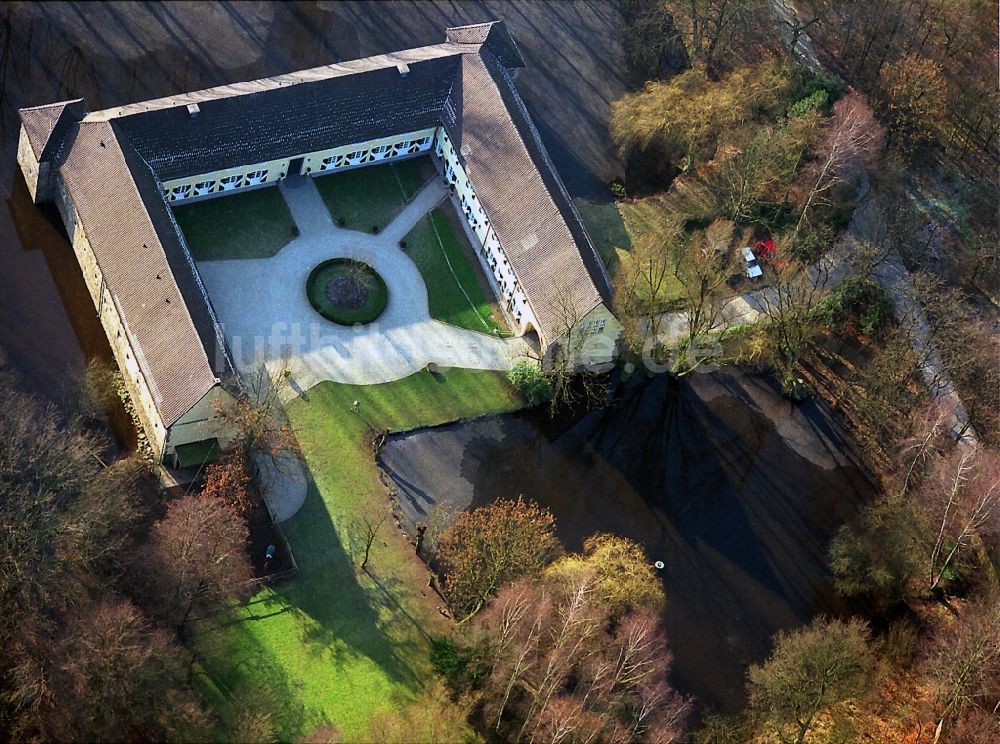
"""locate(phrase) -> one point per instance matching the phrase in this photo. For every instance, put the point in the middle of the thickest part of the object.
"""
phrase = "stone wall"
(37, 175)
(114, 327)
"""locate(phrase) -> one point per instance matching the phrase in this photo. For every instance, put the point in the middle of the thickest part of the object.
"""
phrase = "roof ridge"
(542, 151)
(240, 88)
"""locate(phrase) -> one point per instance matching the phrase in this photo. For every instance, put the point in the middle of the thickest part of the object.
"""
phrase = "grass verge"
(251, 224)
(617, 226)
(456, 293)
(369, 198)
(336, 645)
(606, 228)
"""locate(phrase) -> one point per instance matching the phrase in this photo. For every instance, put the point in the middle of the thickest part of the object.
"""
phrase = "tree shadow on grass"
(348, 618)
(235, 671)
(339, 615)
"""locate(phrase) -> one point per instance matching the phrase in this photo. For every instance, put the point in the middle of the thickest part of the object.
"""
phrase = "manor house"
(114, 175)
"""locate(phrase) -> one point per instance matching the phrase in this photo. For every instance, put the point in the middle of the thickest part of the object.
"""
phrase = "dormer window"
(180, 192)
(255, 177)
(205, 187)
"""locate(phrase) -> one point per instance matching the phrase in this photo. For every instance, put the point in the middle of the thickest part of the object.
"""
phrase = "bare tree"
(430, 719)
(927, 439)
(567, 363)
(196, 558)
(641, 278)
(789, 305)
(962, 662)
(257, 418)
(711, 28)
(367, 525)
(558, 668)
(703, 265)
(961, 500)
(852, 143)
(106, 673)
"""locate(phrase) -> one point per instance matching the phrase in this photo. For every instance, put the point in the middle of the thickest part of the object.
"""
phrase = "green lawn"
(455, 291)
(606, 228)
(369, 197)
(250, 224)
(642, 219)
(334, 644)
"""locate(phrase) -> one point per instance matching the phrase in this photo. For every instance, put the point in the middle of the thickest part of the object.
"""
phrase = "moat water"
(734, 490)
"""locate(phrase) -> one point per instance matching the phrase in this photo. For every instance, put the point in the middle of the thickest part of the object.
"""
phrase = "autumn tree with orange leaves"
(492, 546)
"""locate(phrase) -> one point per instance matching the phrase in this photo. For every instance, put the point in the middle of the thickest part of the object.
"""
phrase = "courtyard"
(264, 308)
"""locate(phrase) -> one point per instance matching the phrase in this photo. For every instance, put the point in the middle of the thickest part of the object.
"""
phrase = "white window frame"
(178, 193)
(253, 178)
(229, 183)
(204, 187)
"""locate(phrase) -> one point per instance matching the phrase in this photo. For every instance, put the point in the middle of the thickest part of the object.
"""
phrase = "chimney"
(404, 69)
(193, 110)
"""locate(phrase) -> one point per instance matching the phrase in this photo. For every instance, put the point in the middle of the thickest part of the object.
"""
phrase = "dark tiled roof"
(500, 160)
(136, 270)
(494, 35)
(286, 121)
(46, 126)
(181, 265)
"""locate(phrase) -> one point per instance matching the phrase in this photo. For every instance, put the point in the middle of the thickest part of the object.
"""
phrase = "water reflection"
(734, 491)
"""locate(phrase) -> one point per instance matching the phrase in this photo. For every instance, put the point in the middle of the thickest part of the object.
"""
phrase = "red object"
(766, 249)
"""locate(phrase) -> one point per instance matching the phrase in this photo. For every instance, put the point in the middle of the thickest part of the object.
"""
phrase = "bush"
(402, 244)
(833, 85)
(530, 381)
(341, 222)
(816, 101)
(876, 316)
(374, 229)
(812, 243)
(861, 298)
(451, 662)
(618, 189)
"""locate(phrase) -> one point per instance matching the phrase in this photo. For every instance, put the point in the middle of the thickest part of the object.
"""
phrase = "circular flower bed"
(346, 291)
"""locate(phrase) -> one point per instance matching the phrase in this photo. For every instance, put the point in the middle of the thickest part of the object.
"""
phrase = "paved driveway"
(267, 318)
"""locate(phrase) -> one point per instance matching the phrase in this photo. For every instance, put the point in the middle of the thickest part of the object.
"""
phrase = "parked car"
(750, 263)
(767, 250)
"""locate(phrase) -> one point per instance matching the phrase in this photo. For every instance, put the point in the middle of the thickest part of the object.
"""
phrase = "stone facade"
(37, 175)
(201, 422)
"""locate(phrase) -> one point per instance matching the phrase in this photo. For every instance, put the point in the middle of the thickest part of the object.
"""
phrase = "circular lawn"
(346, 291)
